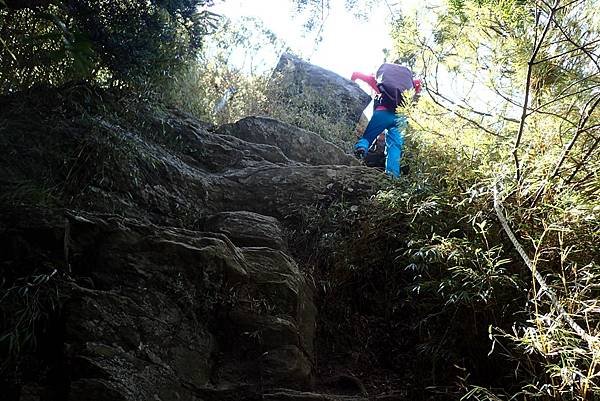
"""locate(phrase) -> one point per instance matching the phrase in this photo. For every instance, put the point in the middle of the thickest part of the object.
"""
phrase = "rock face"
(166, 246)
(338, 97)
(167, 312)
(295, 143)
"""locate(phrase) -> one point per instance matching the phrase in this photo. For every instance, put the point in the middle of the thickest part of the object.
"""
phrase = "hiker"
(389, 84)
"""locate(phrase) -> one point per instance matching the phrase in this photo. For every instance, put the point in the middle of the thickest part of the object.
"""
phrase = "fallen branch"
(591, 340)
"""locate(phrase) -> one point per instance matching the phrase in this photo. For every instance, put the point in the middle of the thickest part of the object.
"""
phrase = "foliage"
(28, 305)
(121, 42)
(431, 270)
(230, 80)
(512, 104)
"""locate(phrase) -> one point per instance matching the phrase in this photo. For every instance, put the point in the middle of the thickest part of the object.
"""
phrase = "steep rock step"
(153, 311)
(175, 174)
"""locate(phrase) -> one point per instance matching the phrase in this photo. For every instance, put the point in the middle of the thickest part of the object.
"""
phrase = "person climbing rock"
(389, 83)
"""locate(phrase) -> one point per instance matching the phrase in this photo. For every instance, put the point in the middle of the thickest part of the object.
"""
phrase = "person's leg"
(380, 120)
(394, 141)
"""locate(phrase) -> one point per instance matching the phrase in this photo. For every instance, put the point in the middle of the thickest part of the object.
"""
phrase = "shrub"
(123, 43)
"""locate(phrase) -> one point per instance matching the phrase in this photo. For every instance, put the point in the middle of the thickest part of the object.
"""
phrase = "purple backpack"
(392, 81)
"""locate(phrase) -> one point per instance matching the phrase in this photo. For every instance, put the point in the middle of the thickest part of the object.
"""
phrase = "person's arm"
(369, 79)
(417, 84)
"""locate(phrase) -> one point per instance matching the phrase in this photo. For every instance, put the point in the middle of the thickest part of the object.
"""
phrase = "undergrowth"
(424, 282)
(28, 306)
(409, 288)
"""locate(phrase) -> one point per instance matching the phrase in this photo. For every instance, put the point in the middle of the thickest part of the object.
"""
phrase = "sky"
(349, 44)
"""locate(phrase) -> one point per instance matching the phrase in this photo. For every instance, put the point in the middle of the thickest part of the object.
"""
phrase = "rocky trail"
(163, 244)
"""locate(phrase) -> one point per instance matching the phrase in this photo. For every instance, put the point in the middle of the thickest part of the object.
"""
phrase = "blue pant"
(394, 137)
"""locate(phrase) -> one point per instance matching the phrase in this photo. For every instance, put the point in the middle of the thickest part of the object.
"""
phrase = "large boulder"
(284, 191)
(295, 143)
(320, 90)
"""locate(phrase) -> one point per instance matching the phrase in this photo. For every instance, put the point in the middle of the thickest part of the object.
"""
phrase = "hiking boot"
(359, 153)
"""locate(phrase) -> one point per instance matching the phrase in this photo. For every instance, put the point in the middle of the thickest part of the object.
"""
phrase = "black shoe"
(404, 170)
(359, 153)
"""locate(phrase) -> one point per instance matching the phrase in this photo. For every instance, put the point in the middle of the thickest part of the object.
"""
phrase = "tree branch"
(583, 160)
(591, 340)
(580, 128)
(559, 98)
(481, 113)
(530, 65)
(578, 48)
(583, 119)
(582, 47)
(478, 125)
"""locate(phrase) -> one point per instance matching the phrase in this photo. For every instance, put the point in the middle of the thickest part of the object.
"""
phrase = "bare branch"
(585, 158)
(582, 47)
(503, 96)
(568, 4)
(584, 179)
(594, 101)
(580, 128)
(475, 123)
(483, 114)
(591, 340)
(559, 98)
(530, 65)
(578, 48)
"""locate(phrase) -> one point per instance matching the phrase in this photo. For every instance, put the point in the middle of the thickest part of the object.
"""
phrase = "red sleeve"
(369, 79)
(417, 84)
